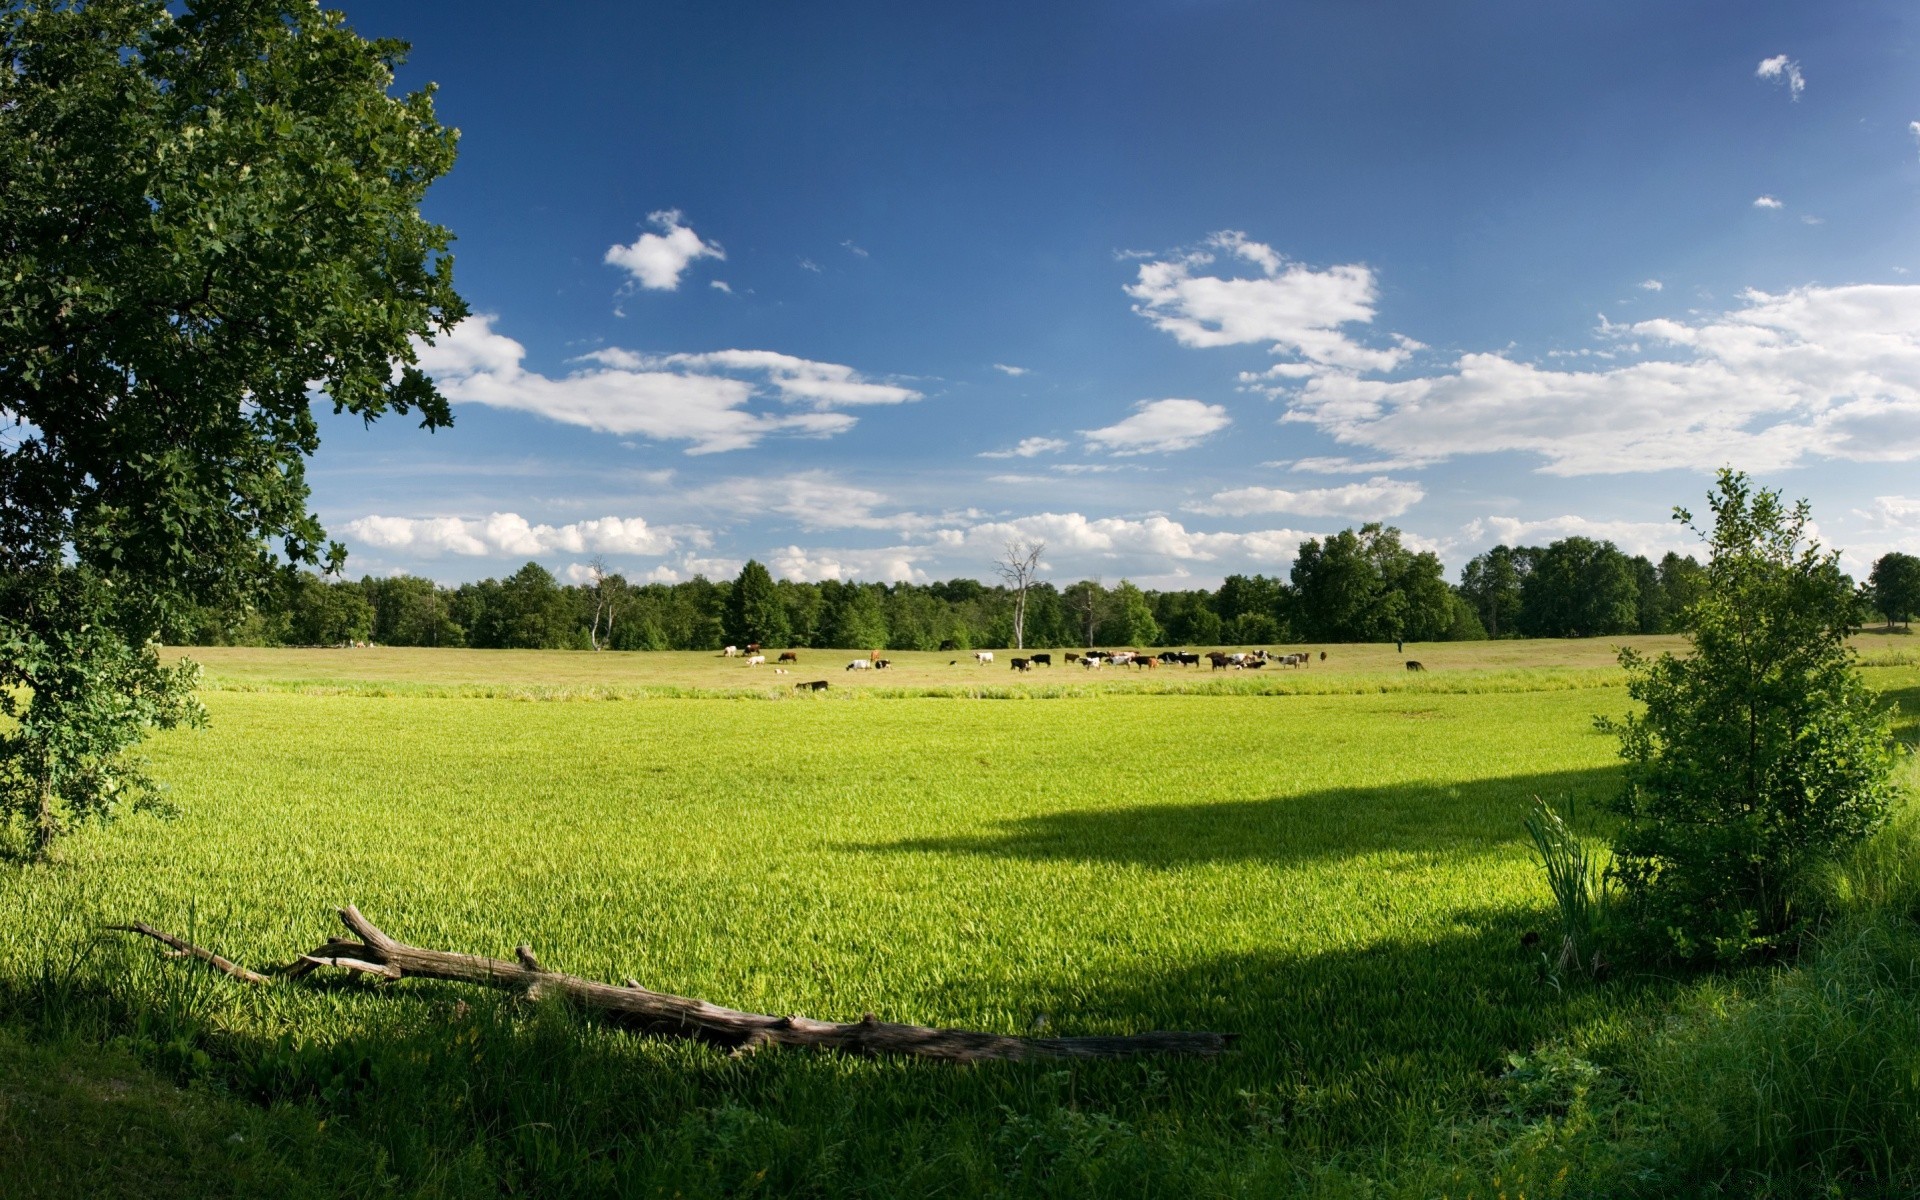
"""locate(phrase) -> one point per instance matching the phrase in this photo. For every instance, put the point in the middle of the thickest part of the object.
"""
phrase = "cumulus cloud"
(1781, 69)
(1651, 538)
(1651, 285)
(1296, 310)
(1374, 500)
(1016, 372)
(1159, 427)
(695, 398)
(657, 260)
(1818, 371)
(813, 499)
(501, 534)
(887, 564)
(1150, 542)
(1028, 448)
(1767, 202)
(1337, 465)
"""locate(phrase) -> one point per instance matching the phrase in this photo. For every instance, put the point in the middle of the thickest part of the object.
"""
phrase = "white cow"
(984, 656)
(860, 664)
(730, 651)
(756, 660)
(1091, 662)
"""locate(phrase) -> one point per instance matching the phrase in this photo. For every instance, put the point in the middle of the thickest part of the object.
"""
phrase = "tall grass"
(1576, 875)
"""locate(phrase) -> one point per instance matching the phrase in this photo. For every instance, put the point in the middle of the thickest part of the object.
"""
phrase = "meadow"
(1329, 862)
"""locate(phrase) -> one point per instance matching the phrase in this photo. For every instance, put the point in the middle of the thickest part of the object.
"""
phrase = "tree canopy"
(206, 217)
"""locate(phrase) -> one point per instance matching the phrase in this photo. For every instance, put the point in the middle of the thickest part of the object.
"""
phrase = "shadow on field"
(1331, 824)
(1906, 717)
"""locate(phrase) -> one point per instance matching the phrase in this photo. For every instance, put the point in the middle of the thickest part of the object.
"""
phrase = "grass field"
(1342, 878)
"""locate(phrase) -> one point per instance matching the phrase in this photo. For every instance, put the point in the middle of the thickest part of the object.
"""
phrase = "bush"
(1760, 756)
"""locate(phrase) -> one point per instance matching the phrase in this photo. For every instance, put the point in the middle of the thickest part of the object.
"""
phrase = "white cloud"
(816, 500)
(854, 250)
(1023, 479)
(1651, 285)
(721, 285)
(1028, 448)
(1349, 466)
(807, 264)
(797, 380)
(1818, 371)
(1159, 427)
(1297, 310)
(1374, 500)
(656, 260)
(1782, 69)
(499, 534)
(1913, 127)
(1767, 202)
(1078, 543)
(1651, 538)
(888, 564)
(1016, 372)
(678, 397)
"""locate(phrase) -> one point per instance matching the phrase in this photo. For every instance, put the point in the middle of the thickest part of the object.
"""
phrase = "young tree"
(204, 215)
(1760, 755)
(1019, 567)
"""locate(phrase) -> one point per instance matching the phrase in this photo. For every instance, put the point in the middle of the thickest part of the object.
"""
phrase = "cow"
(753, 647)
(1254, 664)
(859, 664)
(1323, 656)
(816, 685)
(949, 646)
(873, 656)
(1072, 657)
(1121, 658)
(756, 660)
(1019, 664)
(1144, 662)
(983, 656)
(1415, 666)
(781, 671)
(1219, 660)
(1091, 662)
(1187, 660)
(729, 652)
(1041, 660)
(881, 664)
(789, 656)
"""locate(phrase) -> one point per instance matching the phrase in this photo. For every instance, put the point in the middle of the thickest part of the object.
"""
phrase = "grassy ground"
(1341, 878)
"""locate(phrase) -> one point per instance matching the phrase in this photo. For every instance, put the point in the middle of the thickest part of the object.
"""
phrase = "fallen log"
(378, 955)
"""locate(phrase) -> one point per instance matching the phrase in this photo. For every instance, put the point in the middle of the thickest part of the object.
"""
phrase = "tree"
(1759, 756)
(755, 615)
(203, 217)
(1087, 601)
(1019, 565)
(857, 619)
(1579, 587)
(1895, 586)
(607, 591)
(1366, 586)
(1491, 583)
(1131, 622)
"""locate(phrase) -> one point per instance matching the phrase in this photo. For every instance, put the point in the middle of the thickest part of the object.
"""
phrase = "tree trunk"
(381, 956)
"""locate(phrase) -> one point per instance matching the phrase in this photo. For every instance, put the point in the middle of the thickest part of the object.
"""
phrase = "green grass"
(1342, 878)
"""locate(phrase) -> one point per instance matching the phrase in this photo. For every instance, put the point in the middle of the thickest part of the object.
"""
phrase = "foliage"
(1130, 621)
(1761, 755)
(1895, 586)
(75, 696)
(1578, 587)
(1366, 587)
(203, 217)
(755, 615)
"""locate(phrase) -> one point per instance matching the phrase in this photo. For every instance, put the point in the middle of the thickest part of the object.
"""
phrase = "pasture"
(1341, 877)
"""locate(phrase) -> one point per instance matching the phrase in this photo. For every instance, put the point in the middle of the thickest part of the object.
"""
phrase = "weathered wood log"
(378, 955)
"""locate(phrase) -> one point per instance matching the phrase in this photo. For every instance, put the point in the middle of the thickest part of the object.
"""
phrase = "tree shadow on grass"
(1423, 817)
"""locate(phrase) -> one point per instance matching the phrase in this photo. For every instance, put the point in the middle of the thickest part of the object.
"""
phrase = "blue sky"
(865, 290)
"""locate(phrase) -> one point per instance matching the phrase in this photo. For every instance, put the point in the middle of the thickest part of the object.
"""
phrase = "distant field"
(1341, 878)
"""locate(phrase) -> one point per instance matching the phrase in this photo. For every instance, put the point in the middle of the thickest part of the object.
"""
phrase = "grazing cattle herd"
(1092, 660)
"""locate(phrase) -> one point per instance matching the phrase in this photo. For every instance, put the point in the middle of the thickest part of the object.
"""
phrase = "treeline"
(1356, 586)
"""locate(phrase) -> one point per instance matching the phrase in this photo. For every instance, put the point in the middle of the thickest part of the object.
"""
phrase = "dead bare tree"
(380, 956)
(606, 599)
(1019, 568)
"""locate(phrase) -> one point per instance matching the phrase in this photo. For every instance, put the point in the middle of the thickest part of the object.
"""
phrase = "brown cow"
(789, 656)
(1414, 666)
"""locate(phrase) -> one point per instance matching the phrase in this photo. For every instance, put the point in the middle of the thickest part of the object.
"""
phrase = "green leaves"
(202, 220)
(1759, 756)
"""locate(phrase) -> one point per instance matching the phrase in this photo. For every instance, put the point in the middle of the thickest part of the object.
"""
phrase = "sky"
(866, 291)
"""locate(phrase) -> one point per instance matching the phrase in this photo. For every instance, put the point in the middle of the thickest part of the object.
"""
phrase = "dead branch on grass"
(376, 954)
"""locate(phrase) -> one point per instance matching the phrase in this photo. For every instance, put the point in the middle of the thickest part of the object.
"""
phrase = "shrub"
(1758, 757)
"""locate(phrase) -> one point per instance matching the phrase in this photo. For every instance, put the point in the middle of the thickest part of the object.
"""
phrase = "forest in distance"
(1360, 585)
